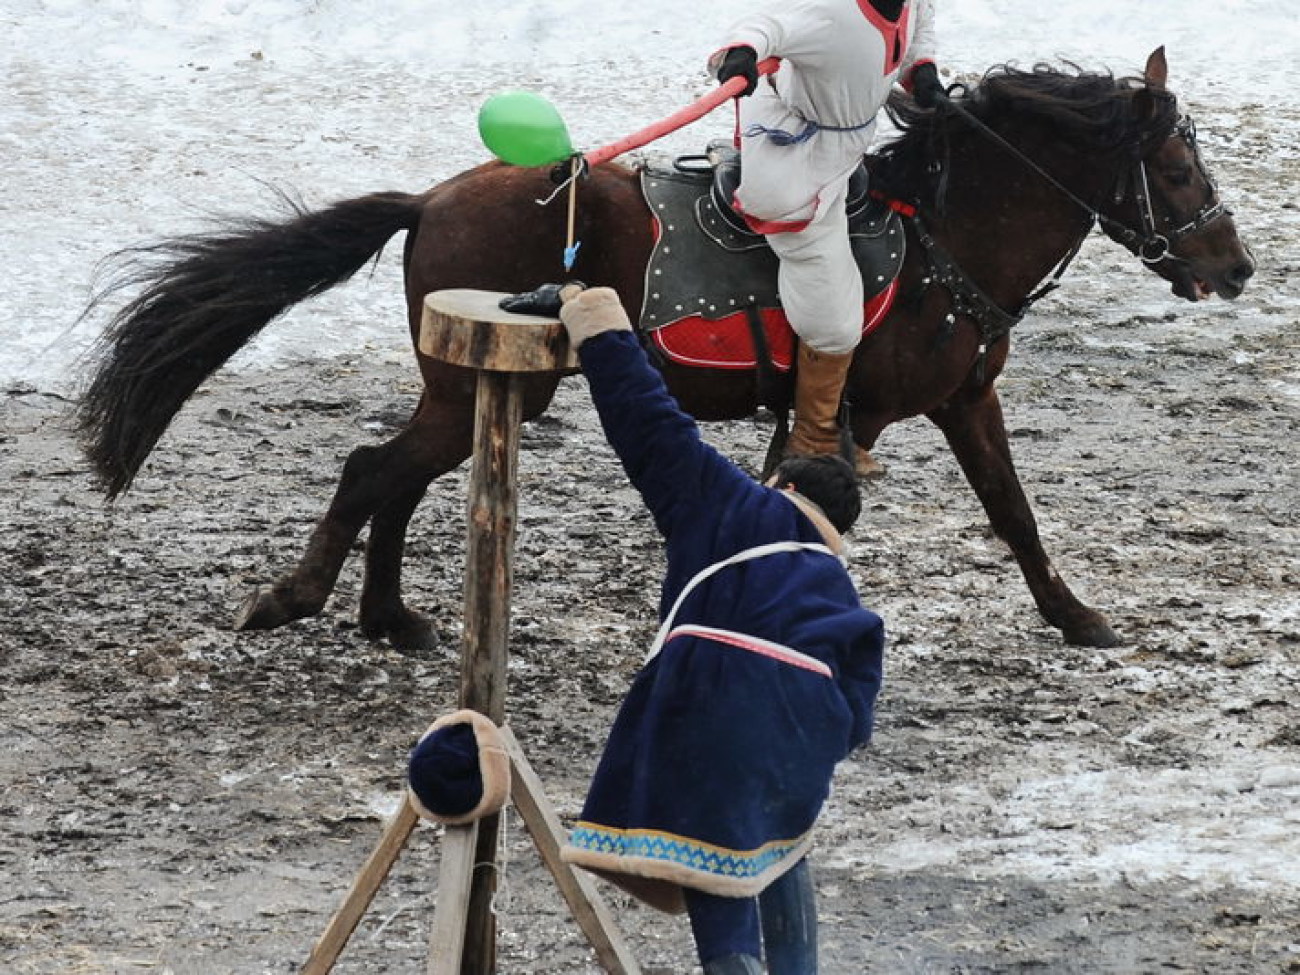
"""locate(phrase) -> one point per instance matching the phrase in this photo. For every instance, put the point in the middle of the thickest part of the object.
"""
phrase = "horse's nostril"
(1240, 274)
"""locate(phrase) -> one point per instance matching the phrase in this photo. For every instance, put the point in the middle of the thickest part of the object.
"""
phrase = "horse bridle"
(1149, 243)
(1151, 246)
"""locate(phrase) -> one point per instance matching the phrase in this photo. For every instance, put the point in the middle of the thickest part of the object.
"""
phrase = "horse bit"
(1150, 245)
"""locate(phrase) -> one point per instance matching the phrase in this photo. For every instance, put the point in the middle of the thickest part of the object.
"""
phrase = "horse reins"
(1150, 245)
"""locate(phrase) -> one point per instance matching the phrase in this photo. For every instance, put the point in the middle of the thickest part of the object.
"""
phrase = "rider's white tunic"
(839, 59)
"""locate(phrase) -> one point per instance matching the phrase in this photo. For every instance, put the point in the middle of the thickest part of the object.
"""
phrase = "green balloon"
(523, 129)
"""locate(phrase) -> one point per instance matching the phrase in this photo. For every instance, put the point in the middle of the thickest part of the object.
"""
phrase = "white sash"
(757, 552)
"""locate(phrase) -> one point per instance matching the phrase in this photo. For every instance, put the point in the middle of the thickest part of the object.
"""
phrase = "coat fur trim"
(494, 767)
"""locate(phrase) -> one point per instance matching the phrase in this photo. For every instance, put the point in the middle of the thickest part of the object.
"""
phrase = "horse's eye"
(1181, 176)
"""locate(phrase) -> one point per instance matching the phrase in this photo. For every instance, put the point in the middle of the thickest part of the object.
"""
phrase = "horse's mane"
(1089, 110)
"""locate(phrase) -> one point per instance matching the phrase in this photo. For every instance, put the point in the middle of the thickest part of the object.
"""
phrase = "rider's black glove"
(927, 89)
(740, 61)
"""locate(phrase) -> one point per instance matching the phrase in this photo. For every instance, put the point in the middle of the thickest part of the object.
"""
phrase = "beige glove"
(590, 312)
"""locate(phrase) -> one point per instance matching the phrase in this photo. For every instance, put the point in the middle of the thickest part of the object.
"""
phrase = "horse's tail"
(202, 298)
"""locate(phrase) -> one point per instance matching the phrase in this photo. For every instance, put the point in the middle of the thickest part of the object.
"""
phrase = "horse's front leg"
(976, 433)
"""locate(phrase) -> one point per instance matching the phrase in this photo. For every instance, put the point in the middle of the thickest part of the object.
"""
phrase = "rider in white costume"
(803, 132)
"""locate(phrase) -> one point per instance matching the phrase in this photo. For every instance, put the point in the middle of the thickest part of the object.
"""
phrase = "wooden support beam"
(577, 887)
(354, 906)
(455, 876)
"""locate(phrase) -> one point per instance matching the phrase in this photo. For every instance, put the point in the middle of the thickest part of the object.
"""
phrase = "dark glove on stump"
(544, 300)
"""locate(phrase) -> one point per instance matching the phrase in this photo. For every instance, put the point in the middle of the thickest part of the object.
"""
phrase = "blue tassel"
(780, 137)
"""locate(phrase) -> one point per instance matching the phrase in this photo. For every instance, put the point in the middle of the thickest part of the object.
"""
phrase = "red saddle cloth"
(726, 343)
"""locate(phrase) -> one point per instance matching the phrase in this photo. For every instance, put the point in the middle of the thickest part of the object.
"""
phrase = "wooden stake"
(570, 249)
(447, 939)
(578, 887)
(345, 919)
(468, 328)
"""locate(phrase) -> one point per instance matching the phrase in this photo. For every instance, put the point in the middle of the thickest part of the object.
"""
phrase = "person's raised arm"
(659, 445)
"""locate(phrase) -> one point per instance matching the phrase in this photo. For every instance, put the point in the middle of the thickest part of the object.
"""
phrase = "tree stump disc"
(467, 327)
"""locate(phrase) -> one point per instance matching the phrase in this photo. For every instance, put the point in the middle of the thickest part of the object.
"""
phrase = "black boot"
(734, 965)
(789, 912)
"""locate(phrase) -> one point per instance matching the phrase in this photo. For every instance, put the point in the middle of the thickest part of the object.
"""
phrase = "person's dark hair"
(828, 481)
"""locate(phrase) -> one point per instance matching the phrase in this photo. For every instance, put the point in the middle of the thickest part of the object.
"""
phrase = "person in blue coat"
(762, 677)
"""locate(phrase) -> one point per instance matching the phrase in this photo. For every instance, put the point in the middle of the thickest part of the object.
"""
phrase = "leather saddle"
(706, 261)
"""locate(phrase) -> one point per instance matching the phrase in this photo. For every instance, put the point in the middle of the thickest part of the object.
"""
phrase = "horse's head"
(1166, 207)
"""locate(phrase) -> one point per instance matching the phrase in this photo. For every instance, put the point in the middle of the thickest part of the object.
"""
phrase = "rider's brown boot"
(819, 384)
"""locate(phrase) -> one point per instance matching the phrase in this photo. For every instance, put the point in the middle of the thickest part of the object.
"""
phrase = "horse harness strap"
(968, 298)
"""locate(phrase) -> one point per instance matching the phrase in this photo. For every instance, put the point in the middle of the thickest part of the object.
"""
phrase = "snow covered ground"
(123, 120)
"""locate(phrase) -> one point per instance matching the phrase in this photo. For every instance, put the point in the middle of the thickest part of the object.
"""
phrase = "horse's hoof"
(412, 634)
(868, 468)
(1096, 633)
(260, 611)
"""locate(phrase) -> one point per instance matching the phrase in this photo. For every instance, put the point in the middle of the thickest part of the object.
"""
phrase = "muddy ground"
(179, 797)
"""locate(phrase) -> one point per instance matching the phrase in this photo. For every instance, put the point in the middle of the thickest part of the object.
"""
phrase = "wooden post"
(468, 328)
(364, 887)
(455, 878)
(489, 572)
(578, 888)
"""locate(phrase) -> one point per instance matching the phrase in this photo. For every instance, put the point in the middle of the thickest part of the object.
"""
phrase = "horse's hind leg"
(303, 591)
(387, 482)
(440, 437)
(383, 613)
(976, 433)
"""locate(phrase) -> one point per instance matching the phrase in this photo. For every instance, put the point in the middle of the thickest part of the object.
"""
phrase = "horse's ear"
(1157, 69)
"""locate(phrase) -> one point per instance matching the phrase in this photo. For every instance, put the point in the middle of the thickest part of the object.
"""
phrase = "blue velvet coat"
(720, 757)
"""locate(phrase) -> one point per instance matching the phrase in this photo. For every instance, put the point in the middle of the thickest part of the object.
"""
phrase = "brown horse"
(1007, 181)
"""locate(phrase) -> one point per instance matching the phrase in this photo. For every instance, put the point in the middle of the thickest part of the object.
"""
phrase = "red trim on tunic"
(893, 33)
(760, 226)
(744, 641)
(910, 81)
(772, 226)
